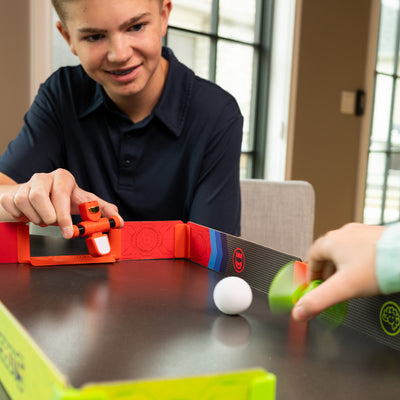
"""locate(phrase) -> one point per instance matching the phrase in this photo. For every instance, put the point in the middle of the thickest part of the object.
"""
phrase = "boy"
(131, 127)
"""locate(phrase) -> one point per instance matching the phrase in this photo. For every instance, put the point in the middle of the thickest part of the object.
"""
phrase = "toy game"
(175, 252)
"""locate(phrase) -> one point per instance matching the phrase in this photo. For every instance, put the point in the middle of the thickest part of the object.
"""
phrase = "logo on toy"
(13, 361)
(390, 318)
(238, 260)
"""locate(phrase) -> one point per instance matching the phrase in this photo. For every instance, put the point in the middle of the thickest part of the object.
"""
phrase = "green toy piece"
(287, 288)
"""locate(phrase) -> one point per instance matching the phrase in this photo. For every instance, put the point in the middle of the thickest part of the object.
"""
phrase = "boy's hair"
(57, 4)
(60, 10)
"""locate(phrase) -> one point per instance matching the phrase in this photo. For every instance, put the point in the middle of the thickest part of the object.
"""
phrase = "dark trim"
(262, 95)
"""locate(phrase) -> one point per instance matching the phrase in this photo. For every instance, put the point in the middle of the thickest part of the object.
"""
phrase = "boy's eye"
(94, 38)
(136, 27)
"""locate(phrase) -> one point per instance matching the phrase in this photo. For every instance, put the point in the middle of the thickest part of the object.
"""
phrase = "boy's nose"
(119, 50)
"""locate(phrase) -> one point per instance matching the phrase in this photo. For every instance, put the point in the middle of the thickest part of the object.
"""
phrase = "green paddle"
(290, 284)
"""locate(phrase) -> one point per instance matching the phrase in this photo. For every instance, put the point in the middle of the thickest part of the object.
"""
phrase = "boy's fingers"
(108, 210)
(63, 186)
(318, 254)
(51, 199)
(7, 202)
(326, 271)
(40, 188)
(330, 292)
(27, 202)
(65, 224)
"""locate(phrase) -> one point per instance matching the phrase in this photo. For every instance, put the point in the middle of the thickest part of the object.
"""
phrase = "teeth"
(122, 73)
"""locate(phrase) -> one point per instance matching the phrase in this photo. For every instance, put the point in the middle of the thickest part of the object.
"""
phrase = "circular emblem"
(390, 318)
(238, 260)
(147, 239)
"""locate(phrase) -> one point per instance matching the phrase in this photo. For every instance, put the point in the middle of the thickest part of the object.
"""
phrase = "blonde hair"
(58, 6)
(61, 12)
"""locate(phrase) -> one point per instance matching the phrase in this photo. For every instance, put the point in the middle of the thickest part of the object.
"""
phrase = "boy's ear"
(65, 34)
(165, 12)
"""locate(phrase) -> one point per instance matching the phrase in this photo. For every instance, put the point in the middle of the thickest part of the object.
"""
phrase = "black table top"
(156, 319)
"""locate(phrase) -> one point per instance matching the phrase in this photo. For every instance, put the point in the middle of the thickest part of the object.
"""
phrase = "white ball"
(232, 295)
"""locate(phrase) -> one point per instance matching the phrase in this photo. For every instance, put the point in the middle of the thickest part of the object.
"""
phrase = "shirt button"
(127, 163)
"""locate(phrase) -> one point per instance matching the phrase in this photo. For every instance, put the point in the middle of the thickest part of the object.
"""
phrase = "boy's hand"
(50, 199)
(345, 260)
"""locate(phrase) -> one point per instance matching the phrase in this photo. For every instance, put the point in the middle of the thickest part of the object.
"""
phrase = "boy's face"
(118, 42)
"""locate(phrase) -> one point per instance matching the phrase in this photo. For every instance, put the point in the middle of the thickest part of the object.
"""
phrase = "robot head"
(90, 211)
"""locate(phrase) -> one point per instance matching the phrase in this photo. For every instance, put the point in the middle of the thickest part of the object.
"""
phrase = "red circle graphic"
(238, 260)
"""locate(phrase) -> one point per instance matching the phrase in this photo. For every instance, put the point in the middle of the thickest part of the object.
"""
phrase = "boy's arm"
(47, 199)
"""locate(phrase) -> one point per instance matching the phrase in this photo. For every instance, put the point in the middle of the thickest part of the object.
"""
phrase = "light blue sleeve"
(388, 260)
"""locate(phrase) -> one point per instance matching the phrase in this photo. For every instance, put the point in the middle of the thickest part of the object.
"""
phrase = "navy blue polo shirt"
(179, 163)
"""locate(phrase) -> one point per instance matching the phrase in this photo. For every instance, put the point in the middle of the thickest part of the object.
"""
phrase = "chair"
(279, 215)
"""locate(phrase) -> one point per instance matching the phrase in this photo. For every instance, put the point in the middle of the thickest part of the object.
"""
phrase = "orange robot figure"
(95, 227)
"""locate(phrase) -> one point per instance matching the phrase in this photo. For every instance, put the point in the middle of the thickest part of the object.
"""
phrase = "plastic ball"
(233, 295)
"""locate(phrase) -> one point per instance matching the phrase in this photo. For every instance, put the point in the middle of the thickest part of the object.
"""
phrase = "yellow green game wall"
(25, 371)
(27, 374)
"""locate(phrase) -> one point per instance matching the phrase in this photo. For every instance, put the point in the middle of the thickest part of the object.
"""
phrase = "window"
(229, 42)
(382, 193)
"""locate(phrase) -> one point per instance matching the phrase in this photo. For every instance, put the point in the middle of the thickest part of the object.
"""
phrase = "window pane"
(374, 188)
(235, 74)
(387, 36)
(191, 14)
(381, 112)
(237, 19)
(246, 165)
(392, 202)
(395, 134)
(192, 50)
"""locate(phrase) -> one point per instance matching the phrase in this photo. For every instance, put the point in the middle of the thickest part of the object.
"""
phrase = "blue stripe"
(224, 254)
(219, 251)
(214, 251)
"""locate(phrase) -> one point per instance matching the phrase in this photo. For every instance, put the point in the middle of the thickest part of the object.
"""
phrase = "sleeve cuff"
(388, 260)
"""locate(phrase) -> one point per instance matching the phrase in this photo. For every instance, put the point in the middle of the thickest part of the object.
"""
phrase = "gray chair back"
(279, 215)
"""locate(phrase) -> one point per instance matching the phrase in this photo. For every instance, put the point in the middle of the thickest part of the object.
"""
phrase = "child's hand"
(50, 199)
(345, 260)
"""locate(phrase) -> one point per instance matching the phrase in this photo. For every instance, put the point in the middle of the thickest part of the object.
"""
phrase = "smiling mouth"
(122, 73)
